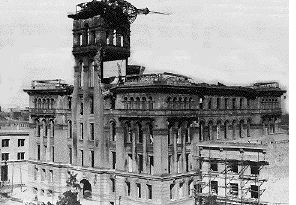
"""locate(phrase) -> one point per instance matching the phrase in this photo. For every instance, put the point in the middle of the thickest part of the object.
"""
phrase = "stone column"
(101, 149)
(49, 133)
(133, 146)
(75, 111)
(145, 136)
(42, 157)
(86, 112)
(210, 127)
(160, 150)
(175, 151)
(184, 149)
(120, 148)
(201, 127)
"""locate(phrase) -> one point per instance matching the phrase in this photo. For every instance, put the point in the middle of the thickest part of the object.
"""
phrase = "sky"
(234, 42)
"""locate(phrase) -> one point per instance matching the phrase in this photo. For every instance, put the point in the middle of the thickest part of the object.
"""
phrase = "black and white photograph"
(133, 102)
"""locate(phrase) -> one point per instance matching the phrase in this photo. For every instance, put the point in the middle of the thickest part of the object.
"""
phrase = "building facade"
(14, 155)
(133, 141)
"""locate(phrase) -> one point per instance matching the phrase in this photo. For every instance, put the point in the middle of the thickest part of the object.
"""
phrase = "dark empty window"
(233, 167)
(38, 152)
(214, 166)
(226, 103)
(5, 156)
(210, 103)
(128, 188)
(255, 169)
(113, 185)
(92, 131)
(234, 189)
(241, 103)
(21, 142)
(5, 143)
(20, 155)
(254, 191)
(149, 188)
(113, 160)
(91, 105)
(214, 187)
(92, 157)
(218, 103)
(233, 103)
(139, 190)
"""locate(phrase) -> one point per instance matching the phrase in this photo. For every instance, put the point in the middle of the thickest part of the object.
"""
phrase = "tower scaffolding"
(236, 171)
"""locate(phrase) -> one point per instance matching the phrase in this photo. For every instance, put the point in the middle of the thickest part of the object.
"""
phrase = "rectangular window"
(70, 155)
(140, 161)
(50, 175)
(179, 163)
(233, 167)
(81, 131)
(128, 188)
(20, 156)
(241, 103)
(38, 152)
(234, 189)
(214, 187)
(92, 131)
(255, 169)
(169, 163)
(254, 191)
(130, 162)
(218, 103)
(172, 191)
(113, 160)
(81, 154)
(43, 175)
(21, 142)
(5, 156)
(52, 153)
(151, 165)
(248, 103)
(45, 150)
(91, 105)
(4, 173)
(149, 189)
(92, 158)
(187, 162)
(233, 103)
(214, 166)
(5, 143)
(35, 173)
(113, 185)
(226, 103)
(139, 191)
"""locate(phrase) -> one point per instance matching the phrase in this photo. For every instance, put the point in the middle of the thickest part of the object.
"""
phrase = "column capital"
(77, 68)
(85, 68)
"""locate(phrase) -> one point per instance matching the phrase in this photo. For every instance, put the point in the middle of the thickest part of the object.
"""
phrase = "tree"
(70, 196)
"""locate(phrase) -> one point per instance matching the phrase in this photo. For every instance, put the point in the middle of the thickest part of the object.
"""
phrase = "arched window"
(201, 103)
(144, 103)
(113, 131)
(218, 103)
(233, 103)
(180, 103)
(52, 103)
(131, 103)
(210, 103)
(125, 103)
(174, 103)
(91, 75)
(35, 103)
(241, 103)
(225, 103)
(169, 103)
(86, 34)
(150, 101)
(138, 102)
(185, 103)
(86, 188)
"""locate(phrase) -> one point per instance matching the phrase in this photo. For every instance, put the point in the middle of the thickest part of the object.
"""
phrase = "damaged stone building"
(132, 138)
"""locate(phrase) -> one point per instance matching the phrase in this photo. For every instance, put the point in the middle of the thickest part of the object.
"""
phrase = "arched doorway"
(86, 188)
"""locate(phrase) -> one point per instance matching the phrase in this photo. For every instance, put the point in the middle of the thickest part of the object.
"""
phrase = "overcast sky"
(234, 42)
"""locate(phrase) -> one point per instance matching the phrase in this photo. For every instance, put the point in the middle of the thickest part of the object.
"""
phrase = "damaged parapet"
(48, 84)
(230, 172)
